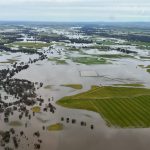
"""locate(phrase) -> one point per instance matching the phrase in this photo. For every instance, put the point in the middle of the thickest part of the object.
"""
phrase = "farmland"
(119, 107)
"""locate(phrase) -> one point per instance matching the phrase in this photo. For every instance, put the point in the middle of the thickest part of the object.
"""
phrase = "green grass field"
(125, 107)
(89, 60)
(29, 45)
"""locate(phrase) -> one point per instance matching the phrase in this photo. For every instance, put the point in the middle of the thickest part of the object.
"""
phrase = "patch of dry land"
(125, 107)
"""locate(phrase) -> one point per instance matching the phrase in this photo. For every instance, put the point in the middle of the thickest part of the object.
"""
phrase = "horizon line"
(67, 21)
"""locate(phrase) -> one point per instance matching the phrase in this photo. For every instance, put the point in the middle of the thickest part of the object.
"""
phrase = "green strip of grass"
(55, 127)
(116, 56)
(130, 85)
(58, 60)
(145, 57)
(74, 86)
(36, 109)
(147, 68)
(89, 60)
(125, 107)
(30, 44)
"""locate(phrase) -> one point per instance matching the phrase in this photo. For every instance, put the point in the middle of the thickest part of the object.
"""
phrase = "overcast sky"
(75, 10)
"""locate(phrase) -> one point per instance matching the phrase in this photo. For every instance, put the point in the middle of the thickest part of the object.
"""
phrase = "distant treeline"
(48, 38)
(109, 33)
(129, 37)
(23, 50)
(9, 37)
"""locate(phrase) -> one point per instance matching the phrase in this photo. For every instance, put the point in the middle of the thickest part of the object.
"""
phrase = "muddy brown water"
(75, 136)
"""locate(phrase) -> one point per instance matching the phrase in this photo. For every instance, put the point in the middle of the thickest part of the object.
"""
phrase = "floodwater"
(75, 136)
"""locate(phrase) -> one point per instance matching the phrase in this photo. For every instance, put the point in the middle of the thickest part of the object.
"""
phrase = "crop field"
(124, 107)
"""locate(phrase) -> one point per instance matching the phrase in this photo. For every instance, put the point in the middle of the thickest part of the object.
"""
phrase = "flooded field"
(33, 79)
